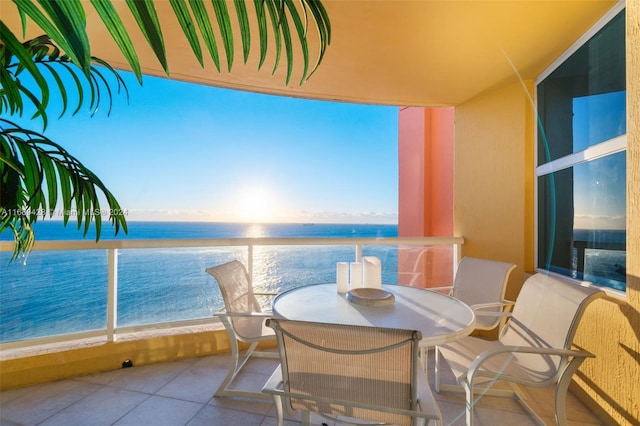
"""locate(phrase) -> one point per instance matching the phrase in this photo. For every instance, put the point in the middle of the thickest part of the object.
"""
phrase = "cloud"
(600, 222)
(300, 217)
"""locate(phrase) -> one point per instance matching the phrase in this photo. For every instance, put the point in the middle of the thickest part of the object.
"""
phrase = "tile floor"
(180, 393)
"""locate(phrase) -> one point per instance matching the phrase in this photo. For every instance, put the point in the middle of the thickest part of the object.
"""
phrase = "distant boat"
(308, 224)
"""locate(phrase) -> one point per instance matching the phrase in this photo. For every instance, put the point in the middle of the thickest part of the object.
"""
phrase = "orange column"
(425, 193)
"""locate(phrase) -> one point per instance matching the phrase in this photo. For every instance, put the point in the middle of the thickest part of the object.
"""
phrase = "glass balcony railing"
(68, 290)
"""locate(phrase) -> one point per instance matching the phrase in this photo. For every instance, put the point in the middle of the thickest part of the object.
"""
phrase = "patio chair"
(534, 347)
(481, 284)
(244, 321)
(348, 373)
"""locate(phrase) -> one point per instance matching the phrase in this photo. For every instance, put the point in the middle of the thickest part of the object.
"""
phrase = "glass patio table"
(440, 318)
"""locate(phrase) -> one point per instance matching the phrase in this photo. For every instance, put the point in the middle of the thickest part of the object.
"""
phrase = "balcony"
(124, 275)
(170, 385)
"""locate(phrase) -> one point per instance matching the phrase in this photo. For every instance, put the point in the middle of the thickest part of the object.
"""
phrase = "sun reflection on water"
(256, 230)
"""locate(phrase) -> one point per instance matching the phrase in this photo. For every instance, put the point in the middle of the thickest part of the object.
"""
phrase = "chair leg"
(235, 355)
(437, 369)
(235, 367)
(306, 418)
(469, 402)
(561, 390)
(423, 358)
(277, 400)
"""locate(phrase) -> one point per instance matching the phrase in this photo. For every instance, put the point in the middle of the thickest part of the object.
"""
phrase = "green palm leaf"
(184, 18)
(116, 28)
(204, 24)
(145, 15)
(64, 22)
(44, 167)
(13, 48)
(224, 25)
(245, 33)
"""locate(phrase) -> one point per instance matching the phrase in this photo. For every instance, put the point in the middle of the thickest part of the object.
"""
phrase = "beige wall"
(493, 164)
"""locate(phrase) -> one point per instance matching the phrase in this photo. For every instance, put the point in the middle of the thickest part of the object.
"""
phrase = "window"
(581, 169)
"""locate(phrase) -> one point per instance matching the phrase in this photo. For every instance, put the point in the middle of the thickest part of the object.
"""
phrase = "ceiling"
(423, 53)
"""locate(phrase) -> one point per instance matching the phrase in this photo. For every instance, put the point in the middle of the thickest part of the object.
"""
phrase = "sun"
(255, 204)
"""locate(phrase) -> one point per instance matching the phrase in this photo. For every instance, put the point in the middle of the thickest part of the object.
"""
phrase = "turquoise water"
(60, 292)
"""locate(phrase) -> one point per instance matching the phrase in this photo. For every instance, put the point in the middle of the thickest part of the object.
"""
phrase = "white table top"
(440, 318)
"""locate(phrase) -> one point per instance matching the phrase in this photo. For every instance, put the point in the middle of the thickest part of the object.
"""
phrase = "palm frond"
(118, 32)
(65, 23)
(44, 56)
(32, 170)
(146, 17)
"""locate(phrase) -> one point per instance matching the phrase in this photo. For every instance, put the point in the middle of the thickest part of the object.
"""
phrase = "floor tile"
(38, 403)
(193, 384)
(250, 406)
(161, 411)
(214, 415)
(148, 378)
(103, 407)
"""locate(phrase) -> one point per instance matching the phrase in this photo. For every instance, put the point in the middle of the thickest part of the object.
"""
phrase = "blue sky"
(186, 152)
(599, 185)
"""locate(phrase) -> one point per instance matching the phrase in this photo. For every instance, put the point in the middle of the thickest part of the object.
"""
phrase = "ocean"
(605, 267)
(60, 292)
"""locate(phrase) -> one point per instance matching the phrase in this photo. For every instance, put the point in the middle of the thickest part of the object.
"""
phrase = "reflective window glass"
(583, 101)
(582, 219)
(582, 192)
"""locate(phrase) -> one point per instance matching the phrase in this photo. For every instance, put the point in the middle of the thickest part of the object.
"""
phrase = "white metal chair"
(350, 374)
(534, 347)
(244, 321)
(481, 284)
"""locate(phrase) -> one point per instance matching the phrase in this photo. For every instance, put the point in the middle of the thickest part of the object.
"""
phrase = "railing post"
(456, 257)
(112, 294)
(358, 252)
(250, 262)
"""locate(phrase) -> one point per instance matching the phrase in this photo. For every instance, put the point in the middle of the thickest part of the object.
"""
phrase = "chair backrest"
(238, 296)
(235, 287)
(337, 365)
(546, 314)
(480, 281)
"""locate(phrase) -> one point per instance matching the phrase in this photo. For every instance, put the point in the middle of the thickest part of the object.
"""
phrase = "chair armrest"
(447, 287)
(492, 305)
(482, 357)
(244, 314)
(274, 384)
(492, 314)
(266, 294)
(477, 309)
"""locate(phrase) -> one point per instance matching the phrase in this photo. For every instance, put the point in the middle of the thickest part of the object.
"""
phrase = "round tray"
(370, 297)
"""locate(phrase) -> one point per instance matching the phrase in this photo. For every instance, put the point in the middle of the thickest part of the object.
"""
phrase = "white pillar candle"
(371, 272)
(355, 275)
(342, 277)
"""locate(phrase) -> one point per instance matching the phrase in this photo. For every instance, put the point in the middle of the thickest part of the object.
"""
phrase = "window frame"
(600, 150)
